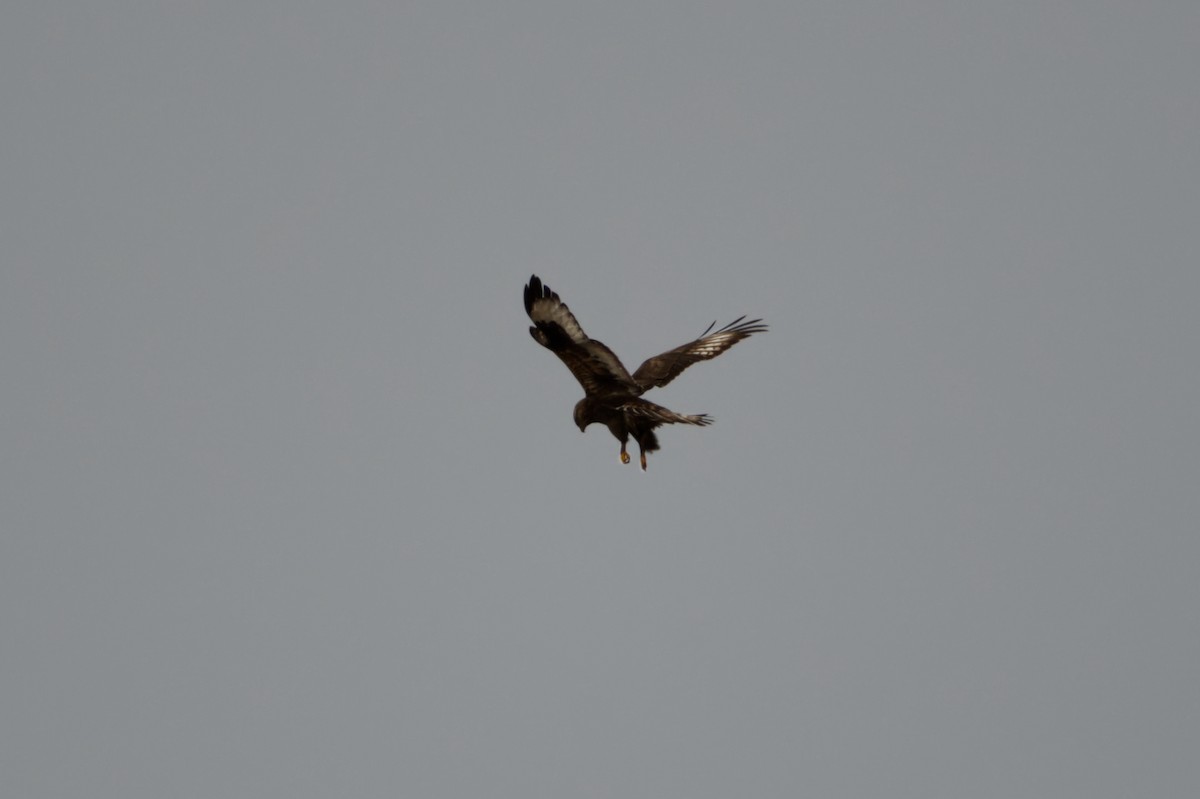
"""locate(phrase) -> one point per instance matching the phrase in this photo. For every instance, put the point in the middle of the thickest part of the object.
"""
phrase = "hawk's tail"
(657, 414)
(698, 419)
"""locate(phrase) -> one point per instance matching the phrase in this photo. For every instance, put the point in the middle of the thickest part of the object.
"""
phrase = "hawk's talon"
(625, 457)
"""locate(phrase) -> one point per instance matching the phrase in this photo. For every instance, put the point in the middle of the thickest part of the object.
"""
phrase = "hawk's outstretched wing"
(662, 369)
(594, 365)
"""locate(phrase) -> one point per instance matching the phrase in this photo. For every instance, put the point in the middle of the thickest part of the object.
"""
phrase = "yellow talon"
(624, 456)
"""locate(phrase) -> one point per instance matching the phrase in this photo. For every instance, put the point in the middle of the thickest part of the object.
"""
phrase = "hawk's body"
(612, 396)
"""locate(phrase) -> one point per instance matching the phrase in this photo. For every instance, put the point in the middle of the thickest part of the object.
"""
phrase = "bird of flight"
(612, 396)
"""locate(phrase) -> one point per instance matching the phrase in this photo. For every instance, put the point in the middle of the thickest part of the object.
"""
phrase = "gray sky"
(292, 506)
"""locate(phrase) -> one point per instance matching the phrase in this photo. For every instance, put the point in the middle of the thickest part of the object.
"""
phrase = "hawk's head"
(582, 420)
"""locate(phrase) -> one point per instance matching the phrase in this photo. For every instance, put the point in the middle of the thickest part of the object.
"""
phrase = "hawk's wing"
(594, 365)
(662, 369)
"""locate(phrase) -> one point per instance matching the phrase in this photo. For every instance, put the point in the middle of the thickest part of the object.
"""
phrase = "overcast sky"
(291, 505)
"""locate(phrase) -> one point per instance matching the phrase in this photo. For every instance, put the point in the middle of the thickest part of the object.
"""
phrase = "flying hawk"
(612, 396)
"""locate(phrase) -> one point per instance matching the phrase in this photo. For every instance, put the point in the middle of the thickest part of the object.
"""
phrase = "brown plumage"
(612, 396)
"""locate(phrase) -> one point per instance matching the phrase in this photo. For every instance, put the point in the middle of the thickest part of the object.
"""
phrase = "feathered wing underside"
(544, 306)
(594, 365)
(662, 369)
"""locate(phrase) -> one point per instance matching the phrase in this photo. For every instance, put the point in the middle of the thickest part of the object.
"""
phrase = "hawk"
(612, 396)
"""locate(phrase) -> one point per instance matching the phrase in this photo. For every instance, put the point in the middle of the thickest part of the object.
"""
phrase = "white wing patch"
(552, 309)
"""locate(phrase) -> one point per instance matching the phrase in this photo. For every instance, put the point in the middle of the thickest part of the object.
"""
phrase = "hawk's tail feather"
(659, 415)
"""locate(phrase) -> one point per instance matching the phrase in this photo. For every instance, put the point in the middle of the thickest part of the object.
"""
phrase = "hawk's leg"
(624, 454)
(643, 454)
